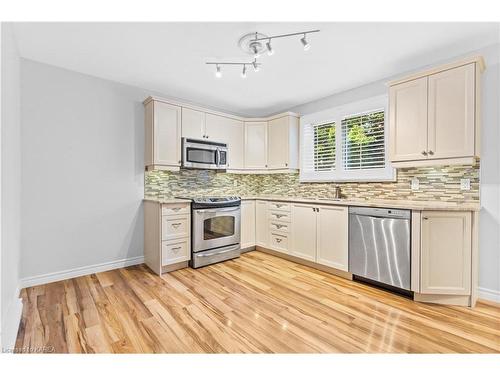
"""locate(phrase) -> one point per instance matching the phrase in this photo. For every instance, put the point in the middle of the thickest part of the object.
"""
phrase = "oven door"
(215, 227)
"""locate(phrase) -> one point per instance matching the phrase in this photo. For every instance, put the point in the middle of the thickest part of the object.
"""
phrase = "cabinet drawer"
(279, 216)
(175, 227)
(175, 209)
(278, 241)
(279, 206)
(175, 251)
(279, 226)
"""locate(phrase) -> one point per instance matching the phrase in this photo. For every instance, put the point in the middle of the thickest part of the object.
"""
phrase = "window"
(324, 147)
(356, 153)
(363, 143)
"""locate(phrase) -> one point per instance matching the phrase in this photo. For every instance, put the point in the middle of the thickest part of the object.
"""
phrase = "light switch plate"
(415, 184)
(465, 184)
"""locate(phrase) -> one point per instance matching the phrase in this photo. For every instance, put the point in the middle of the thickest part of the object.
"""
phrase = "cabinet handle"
(278, 240)
(175, 208)
(424, 153)
(175, 249)
(431, 152)
(425, 218)
(175, 225)
(266, 165)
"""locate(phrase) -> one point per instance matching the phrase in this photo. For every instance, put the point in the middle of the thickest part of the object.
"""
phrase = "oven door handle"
(216, 210)
(220, 252)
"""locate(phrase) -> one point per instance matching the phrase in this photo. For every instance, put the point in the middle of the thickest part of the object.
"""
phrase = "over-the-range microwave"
(200, 154)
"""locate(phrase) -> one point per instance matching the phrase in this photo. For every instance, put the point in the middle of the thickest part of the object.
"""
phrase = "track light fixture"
(270, 50)
(255, 66)
(218, 73)
(257, 43)
(304, 43)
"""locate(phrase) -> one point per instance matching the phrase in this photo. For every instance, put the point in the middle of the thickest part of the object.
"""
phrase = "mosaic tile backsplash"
(436, 183)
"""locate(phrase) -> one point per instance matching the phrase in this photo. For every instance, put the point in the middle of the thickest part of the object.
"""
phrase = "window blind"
(318, 151)
(363, 141)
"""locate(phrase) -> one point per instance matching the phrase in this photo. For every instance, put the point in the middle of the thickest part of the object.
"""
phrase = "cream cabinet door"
(451, 113)
(445, 253)
(193, 123)
(261, 224)
(256, 145)
(247, 223)
(167, 134)
(303, 232)
(278, 143)
(408, 120)
(230, 131)
(332, 237)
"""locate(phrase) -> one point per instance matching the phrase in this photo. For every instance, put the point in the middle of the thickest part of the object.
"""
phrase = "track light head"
(218, 73)
(255, 65)
(244, 72)
(270, 50)
(304, 43)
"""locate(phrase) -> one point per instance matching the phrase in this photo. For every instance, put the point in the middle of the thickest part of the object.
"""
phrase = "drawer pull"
(279, 226)
(175, 249)
(278, 240)
(176, 225)
(278, 216)
(279, 205)
(175, 208)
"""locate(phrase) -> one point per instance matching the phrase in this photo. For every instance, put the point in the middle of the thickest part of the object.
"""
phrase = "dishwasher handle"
(391, 213)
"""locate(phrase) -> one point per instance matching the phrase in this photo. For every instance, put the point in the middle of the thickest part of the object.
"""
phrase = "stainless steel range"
(215, 230)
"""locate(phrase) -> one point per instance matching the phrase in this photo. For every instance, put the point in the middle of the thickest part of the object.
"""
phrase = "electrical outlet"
(465, 184)
(415, 184)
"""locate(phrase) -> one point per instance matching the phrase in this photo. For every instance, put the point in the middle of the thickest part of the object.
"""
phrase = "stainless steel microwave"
(200, 154)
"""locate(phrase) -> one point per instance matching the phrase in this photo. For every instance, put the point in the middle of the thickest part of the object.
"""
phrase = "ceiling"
(169, 58)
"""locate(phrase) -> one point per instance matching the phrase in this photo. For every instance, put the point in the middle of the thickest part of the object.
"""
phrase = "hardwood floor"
(257, 304)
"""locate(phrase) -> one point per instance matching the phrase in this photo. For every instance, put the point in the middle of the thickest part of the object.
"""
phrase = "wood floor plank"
(257, 303)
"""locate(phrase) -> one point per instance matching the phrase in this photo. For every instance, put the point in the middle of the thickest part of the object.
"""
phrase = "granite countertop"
(401, 204)
(396, 203)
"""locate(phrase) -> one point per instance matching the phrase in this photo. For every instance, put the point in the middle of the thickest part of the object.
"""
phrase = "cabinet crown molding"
(214, 112)
(479, 60)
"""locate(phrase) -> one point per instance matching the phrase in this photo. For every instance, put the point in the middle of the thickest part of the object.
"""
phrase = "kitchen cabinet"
(162, 135)
(256, 145)
(230, 131)
(247, 223)
(303, 231)
(408, 120)
(283, 143)
(332, 237)
(434, 116)
(193, 124)
(446, 247)
(167, 236)
(261, 224)
(451, 113)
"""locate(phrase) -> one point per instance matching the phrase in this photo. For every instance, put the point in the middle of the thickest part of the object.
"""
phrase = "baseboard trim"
(10, 324)
(80, 271)
(489, 294)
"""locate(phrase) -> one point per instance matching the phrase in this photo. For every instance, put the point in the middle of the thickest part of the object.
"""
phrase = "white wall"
(82, 173)
(10, 196)
(489, 241)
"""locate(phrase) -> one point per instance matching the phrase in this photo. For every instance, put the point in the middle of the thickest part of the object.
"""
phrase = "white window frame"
(337, 114)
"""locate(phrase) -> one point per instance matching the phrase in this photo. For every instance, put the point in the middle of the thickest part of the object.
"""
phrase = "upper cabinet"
(254, 146)
(162, 135)
(434, 116)
(193, 124)
(273, 145)
(283, 143)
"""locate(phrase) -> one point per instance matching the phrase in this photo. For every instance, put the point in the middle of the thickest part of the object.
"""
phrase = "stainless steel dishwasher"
(379, 245)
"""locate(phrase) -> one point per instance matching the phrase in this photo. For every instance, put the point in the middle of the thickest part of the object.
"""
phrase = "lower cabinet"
(303, 231)
(446, 253)
(261, 224)
(332, 237)
(167, 236)
(247, 223)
